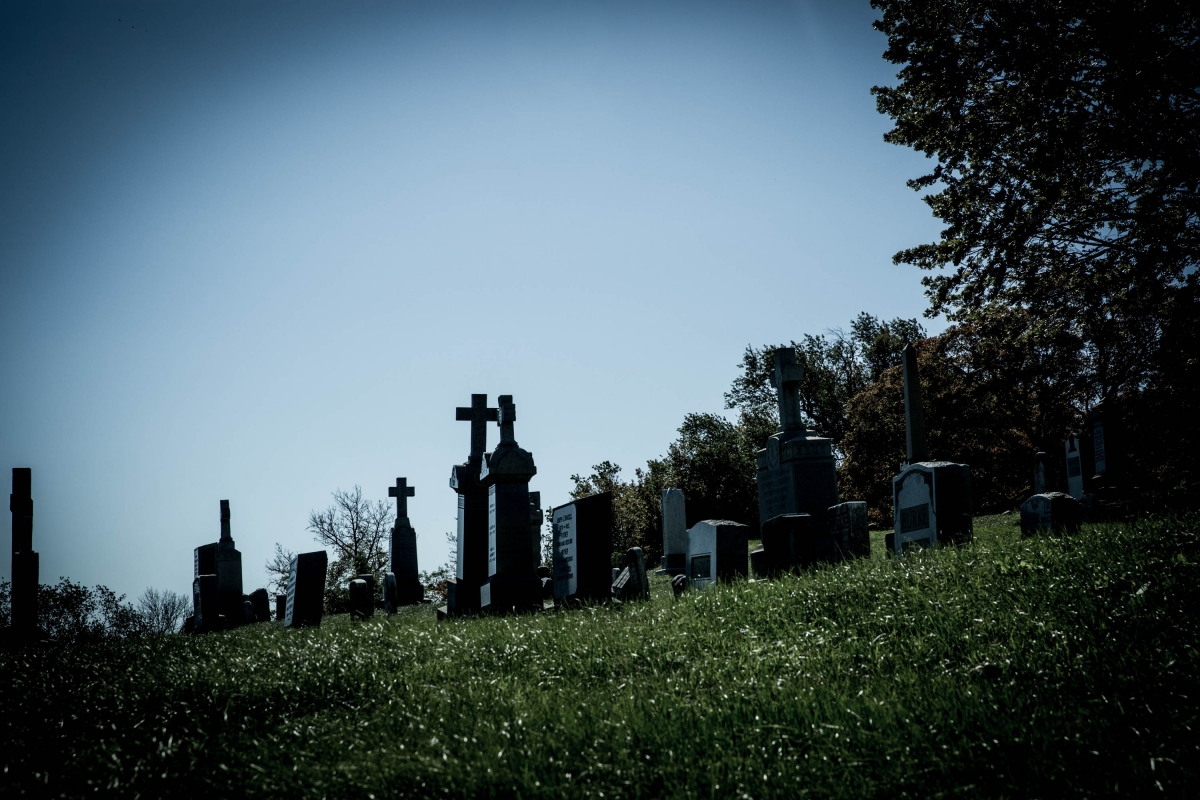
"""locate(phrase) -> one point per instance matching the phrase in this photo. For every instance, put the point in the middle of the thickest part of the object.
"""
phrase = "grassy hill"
(1041, 667)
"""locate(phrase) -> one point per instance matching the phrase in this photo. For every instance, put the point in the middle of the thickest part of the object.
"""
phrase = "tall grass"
(1040, 667)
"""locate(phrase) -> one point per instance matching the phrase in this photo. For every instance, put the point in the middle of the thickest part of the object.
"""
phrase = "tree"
(1068, 173)
(163, 611)
(279, 569)
(355, 529)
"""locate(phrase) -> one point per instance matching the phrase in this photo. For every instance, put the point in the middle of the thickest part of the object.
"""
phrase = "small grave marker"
(306, 589)
(1050, 511)
(716, 551)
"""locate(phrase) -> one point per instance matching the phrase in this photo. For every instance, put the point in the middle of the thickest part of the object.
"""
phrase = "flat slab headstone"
(1050, 511)
(361, 605)
(306, 589)
(788, 542)
(717, 551)
(848, 530)
(582, 532)
(261, 604)
(932, 502)
(280, 607)
(674, 518)
(632, 583)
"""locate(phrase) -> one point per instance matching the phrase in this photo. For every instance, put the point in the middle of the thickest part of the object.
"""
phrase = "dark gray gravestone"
(716, 552)
(582, 531)
(1074, 467)
(462, 593)
(1100, 454)
(782, 542)
(206, 604)
(404, 548)
(512, 582)
(390, 603)
(1050, 511)
(674, 521)
(229, 572)
(247, 610)
(370, 581)
(1039, 473)
(25, 564)
(361, 604)
(679, 584)
(932, 502)
(306, 589)
(632, 583)
(280, 607)
(261, 604)
(846, 524)
(796, 473)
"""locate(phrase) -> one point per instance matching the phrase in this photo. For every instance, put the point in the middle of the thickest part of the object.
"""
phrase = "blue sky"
(261, 251)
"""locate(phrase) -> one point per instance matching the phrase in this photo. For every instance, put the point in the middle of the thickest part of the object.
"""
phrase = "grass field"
(1017, 668)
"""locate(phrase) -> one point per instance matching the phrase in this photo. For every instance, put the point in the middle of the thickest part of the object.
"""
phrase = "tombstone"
(247, 610)
(848, 530)
(1051, 511)
(462, 591)
(716, 552)
(403, 549)
(261, 604)
(229, 572)
(679, 584)
(1100, 445)
(206, 604)
(791, 541)
(1074, 467)
(582, 531)
(280, 607)
(616, 573)
(369, 579)
(536, 518)
(361, 603)
(931, 500)
(544, 574)
(674, 521)
(25, 564)
(390, 592)
(632, 583)
(796, 473)
(512, 582)
(306, 589)
(1039, 473)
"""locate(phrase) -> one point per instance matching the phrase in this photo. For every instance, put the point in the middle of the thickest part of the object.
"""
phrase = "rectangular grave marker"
(717, 551)
(306, 589)
(582, 532)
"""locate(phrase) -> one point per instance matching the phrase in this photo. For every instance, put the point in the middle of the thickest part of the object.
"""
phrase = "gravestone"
(261, 604)
(716, 552)
(403, 549)
(390, 603)
(24, 602)
(471, 571)
(582, 531)
(674, 520)
(512, 582)
(679, 584)
(369, 579)
(1100, 455)
(796, 541)
(229, 572)
(616, 573)
(545, 574)
(306, 589)
(1039, 473)
(796, 473)
(536, 518)
(1051, 511)
(247, 610)
(632, 583)
(931, 500)
(280, 607)
(848, 530)
(361, 603)
(1074, 467)
(206, 611)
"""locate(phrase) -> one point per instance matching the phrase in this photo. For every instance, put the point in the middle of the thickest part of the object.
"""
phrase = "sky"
(261, 251)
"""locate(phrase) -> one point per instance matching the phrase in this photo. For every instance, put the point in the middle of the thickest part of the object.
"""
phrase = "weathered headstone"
(512, 582)
(796, 473)
(404, 548)
(1052, 511)
(674, 522)
(229, 572)
(370, 581)
(24, 559)
(462, 592)
(261, 604)
(306, 589)
(679, 584)
(632, 583)
(280, 607)
(582, 531)
(931, 500)
(206, 604)
(536, 518)
(247, 610)
(361, 605)
(716, 551)
(390, 602)
(783, 541)
(1074, 467)
(1039, 472)
(848, 530)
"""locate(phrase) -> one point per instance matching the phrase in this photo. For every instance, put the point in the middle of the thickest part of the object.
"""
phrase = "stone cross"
(787, 377)
(225, 533)
(914, 412)
(506, 418)
(402, 491)
(479, 415)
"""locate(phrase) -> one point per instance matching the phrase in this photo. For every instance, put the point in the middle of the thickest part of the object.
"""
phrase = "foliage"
(279, 570)
(163, 611)
(356, 530)
(1067, 174)
(70, 612)
(637, 507)
(1052, 666)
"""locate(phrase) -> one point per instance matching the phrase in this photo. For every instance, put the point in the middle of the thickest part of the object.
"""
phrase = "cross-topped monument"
(787, 377)
(479, 415)
(505, 418)
(402, 491)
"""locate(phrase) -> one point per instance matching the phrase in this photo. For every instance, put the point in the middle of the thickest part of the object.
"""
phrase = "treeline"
(72, 612)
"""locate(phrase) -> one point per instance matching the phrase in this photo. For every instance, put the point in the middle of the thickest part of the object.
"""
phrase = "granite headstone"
(582, 531)
(674, 522)
(306, 589)
(717, 551)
